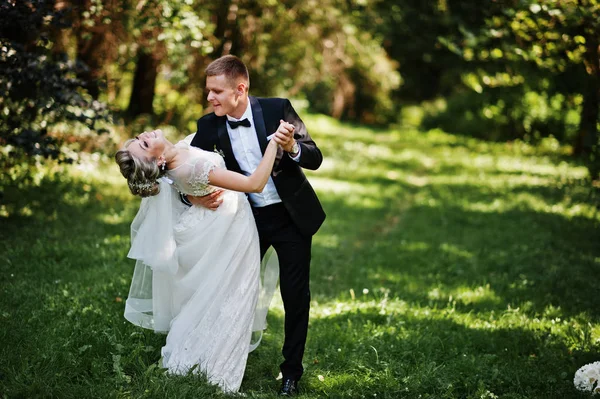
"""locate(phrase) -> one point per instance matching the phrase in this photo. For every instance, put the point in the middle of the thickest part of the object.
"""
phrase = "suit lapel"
(261, 130)
(225, 143)
(259, 123)
(261, 133)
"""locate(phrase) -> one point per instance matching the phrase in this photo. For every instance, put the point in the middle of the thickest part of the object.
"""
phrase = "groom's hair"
(229, 65)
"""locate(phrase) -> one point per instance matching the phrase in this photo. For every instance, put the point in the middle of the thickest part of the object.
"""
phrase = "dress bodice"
(192, 176)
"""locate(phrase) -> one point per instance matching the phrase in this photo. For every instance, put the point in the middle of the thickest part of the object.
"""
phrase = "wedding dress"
(197, 274)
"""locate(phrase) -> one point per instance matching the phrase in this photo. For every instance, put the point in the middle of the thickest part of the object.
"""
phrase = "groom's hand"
(211, 201)
(284, 136)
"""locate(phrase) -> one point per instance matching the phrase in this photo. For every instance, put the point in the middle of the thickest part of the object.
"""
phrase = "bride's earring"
(163, 166)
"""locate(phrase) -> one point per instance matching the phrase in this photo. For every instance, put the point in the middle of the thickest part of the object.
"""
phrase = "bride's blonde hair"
(141, 174)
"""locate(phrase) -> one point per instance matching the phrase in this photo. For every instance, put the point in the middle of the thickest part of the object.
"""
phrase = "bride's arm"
(247, 184)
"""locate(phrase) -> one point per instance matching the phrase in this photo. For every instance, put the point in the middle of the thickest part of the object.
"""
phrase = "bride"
(197, 273)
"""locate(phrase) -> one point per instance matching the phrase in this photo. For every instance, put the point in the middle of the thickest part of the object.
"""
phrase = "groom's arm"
(310, 156)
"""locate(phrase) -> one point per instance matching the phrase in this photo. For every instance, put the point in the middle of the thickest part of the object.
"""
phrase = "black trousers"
(276, 228)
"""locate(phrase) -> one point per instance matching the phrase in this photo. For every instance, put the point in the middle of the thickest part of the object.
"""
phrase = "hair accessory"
(146, 186)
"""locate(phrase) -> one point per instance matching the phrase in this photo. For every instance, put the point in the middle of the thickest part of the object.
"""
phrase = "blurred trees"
(544, 52)
(504, 70)
(38, 88)
(312, 49)
(510, 69)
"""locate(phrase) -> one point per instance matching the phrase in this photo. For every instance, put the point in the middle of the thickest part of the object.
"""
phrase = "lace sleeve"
(191, 176)
(198, 180)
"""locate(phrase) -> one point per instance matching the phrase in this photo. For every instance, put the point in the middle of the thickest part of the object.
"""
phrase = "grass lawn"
(447, 268)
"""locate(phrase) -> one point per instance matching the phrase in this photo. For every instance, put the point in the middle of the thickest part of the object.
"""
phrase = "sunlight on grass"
(327, 240)
(492, 181)
(467, 295)
(447, 267)
(115, 218)
(513, 164)
(340, 187)
(417, 181)
(534, 203)
(414, 246)
(393, 314)
(419, 157)
(327, 165)
(454, 250)
(352, 194)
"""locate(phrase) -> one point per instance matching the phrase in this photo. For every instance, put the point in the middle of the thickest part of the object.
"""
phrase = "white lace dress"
(207, 299)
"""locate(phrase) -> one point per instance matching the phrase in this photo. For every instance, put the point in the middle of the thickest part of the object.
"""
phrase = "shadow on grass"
(60, 199)
(63, 227)
(433, 247)
(365, 352)
(428, 252)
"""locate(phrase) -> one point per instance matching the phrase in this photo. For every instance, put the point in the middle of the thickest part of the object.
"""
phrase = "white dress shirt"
(246, 149)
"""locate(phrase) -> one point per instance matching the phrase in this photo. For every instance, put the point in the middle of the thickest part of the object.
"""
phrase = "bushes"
(502, 114)
(39, 89)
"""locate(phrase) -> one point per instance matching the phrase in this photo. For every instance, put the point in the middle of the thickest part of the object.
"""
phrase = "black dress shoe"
(289, 387)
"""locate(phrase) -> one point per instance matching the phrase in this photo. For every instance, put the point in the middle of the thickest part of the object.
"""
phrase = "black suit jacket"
(292, 186)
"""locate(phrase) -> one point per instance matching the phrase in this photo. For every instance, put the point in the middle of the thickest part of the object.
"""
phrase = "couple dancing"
(198, 239)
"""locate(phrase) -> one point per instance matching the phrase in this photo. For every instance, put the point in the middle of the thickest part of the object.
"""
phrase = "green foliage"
(296, 49)
(178, 30)
(505, 114)
(516, 69)
(37, 90)
(409, 32)
(448, 267)
(511, 70)
(547, 47)
(309, 49)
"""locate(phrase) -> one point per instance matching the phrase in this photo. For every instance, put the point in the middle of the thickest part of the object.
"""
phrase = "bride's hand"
(284, 136)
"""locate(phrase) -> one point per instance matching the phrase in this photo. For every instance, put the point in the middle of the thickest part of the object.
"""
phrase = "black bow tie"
(234, 124)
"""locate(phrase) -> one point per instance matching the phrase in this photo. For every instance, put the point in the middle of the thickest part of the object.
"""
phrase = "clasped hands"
(284, 136)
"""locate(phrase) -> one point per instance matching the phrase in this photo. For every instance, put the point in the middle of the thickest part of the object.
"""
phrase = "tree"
(550, 46)
(38, 89)
(98, 28)
(308, 49)
(168, 35)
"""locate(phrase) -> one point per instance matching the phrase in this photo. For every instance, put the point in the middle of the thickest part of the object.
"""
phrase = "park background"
(460, 256)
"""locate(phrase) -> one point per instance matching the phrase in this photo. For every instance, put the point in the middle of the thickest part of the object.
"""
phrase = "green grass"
(447, 268)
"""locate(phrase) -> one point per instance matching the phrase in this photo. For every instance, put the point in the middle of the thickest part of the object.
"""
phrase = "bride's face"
(148, 145)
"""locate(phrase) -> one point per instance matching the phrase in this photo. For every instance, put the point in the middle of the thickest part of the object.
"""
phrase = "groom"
(287, 212)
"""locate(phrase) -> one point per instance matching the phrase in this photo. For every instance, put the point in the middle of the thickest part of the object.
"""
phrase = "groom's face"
(226, 96)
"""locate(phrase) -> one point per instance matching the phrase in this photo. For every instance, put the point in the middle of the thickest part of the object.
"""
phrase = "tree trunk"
(60, 36)
(144, 82)
(343, 98)
(91, 49)
(90, 54)
(227, 28)
(587, 137)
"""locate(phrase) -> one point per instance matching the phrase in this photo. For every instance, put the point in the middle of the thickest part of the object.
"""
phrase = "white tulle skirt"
(213, 300)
